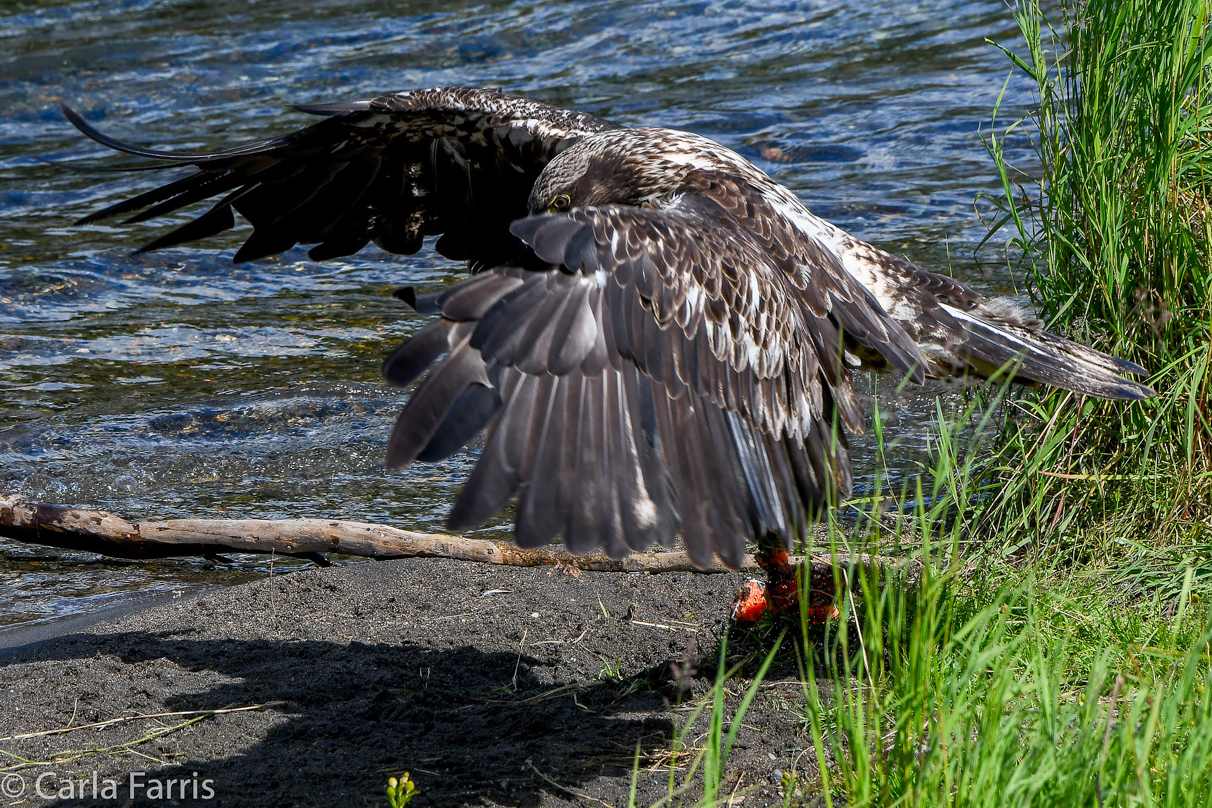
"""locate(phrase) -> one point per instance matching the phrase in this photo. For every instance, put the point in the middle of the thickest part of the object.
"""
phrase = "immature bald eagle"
(658, 336)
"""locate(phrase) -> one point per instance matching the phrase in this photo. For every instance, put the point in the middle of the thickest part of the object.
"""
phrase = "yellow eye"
(560, 202)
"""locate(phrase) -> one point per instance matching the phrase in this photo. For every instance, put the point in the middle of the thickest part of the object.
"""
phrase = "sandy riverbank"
(518, 698)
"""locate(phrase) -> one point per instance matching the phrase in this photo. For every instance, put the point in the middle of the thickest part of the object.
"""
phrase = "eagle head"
(604, 169)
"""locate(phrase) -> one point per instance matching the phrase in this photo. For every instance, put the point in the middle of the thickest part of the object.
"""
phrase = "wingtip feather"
(77, 120)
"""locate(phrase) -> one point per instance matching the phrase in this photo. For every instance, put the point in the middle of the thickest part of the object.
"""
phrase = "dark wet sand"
(519, 698)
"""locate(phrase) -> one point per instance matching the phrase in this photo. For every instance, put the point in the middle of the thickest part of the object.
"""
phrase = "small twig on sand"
(578, 794)
(733, 799)
(517, 663)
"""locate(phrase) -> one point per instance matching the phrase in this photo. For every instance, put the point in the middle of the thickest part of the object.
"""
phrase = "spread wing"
(454, 161)
(660, 378)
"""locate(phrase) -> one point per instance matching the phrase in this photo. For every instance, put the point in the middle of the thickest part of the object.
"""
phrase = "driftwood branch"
(110, 535)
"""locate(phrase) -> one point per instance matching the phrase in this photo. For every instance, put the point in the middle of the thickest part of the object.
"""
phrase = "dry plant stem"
(578, 794)
(110, 535)
(68, 755)
(125, 718)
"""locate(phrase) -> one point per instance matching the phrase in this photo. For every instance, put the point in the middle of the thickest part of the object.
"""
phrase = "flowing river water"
(177, 384)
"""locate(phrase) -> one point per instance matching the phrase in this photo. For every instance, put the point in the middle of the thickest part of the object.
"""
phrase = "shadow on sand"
(355, 714)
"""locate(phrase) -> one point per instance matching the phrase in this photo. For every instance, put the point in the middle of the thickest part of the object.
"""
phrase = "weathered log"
(104, 533)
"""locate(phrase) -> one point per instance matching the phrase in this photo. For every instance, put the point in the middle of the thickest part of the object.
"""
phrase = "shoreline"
(16, 636)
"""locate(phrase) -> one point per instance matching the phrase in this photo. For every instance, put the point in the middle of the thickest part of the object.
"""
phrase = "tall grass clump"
(1113, 226)
(960, 698)
(965, 684)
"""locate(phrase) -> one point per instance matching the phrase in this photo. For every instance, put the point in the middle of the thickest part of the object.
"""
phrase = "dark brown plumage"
(456, 162)
(659, 339)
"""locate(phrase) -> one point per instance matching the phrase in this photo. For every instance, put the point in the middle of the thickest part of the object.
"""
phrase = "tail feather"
(987, 346)
(962, 331)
